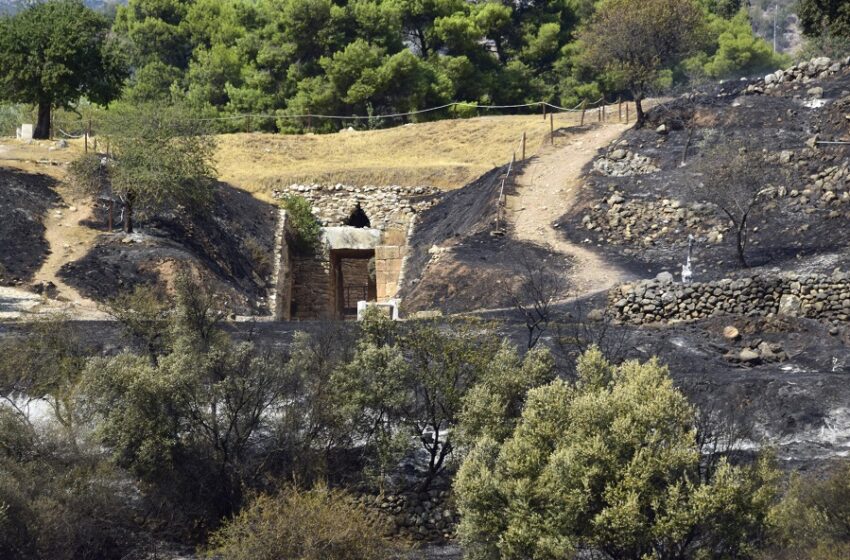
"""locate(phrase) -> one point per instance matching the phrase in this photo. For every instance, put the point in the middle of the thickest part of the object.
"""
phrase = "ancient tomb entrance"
(353, 273)
(358, 218)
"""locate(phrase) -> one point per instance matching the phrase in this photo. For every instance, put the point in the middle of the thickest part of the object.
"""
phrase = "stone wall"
(662, 300)
(313, 288)
(428, 516)
(385, 207)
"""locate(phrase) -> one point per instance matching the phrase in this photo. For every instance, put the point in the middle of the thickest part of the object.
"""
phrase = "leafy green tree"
(735, 51)
(44, 364)
(52, 54)
(161, 158)
(188, 425)
(635, 42)
(819, 17)
(492, 407)
(610, 463)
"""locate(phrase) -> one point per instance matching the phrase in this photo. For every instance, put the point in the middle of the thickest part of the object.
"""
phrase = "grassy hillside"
(444, 154)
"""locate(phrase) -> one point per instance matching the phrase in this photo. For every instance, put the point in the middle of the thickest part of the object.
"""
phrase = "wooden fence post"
(603, 111)
(627, 112)
(583, 110)
(523, 146)
(552, 128)
(544, 111)
(111, 212)
(620, 109)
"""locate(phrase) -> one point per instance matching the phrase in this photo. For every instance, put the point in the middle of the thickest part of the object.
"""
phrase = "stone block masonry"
(386, 207)
(825, 297)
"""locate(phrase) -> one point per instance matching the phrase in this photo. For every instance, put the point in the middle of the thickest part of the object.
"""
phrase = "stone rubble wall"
(804, 72)
(661, 300)
(387, 207)
(428, 516)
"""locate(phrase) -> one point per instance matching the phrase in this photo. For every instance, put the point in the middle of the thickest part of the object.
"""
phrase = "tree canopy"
(279, 58)
(609, 463)
(54, 53)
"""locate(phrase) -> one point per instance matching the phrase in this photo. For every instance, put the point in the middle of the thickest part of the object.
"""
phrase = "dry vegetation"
(446, 154)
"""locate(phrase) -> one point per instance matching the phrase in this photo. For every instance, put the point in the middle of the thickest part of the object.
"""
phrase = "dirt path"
(547, 188)
(68, 241)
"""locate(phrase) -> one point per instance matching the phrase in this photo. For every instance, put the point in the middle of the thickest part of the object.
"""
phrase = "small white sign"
(26, 132)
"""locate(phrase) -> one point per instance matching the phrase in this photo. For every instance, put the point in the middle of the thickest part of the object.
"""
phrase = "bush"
(466, 111)
(307, 228)
(813, 519)
(89, 174)
(318, 524)
(611, 464)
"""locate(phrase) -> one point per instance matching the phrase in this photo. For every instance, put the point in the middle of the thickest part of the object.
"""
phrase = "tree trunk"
(641, 116)
(741, 242)
(42, 127)
(128, 216)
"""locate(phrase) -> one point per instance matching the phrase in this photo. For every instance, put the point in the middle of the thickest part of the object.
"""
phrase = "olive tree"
(610, 463)
(160, 158)
(53, 53)
(634, 42)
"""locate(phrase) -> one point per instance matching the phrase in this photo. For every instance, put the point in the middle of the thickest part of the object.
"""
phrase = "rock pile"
(334, 204)
(757, 352)
(422, 516)
(635, 221)
(804, 72)
(624, 163)
(661, 300)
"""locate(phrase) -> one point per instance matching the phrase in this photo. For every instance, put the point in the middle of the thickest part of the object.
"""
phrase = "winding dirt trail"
(69, 241)
(547, 189)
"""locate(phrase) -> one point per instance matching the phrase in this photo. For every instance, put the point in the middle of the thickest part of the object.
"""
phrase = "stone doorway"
(353, 279)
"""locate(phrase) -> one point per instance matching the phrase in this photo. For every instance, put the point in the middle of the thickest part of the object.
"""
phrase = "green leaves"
(611, 463)
(55, 52)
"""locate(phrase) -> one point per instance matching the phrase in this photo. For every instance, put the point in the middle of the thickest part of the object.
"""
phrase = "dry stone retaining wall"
(662, 300)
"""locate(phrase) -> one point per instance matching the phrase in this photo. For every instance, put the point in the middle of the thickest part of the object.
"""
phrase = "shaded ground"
(463, 258)
(25, 199)
(231, 249)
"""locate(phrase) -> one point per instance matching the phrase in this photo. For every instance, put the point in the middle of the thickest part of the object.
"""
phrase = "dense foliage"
(609, 463)
(284, 59)
(54, 53)
(160, 158)
(305, 525)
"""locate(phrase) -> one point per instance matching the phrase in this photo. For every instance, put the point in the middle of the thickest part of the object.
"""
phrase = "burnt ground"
(456, 263)
(786, 237)
(25, 199)
(801, 405)
(230, 249)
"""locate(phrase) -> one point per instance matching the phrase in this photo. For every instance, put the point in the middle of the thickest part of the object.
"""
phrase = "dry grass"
(445, 154)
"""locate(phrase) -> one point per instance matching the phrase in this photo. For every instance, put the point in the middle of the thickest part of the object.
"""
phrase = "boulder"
(815, 92)
(731, 333)
(790, 305)
(664, 277)
(748, 356)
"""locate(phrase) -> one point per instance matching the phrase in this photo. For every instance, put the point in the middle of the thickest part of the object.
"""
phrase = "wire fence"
(597, 110)
(584, 113)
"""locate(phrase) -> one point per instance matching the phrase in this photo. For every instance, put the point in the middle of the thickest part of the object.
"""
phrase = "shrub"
(813, 519)
(610, 463)
(259, 256)
(307, 228)
(318, 524)
(89, 174)
(466, 111)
